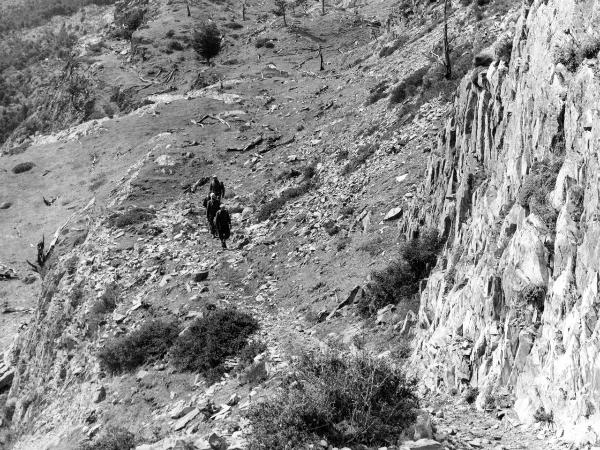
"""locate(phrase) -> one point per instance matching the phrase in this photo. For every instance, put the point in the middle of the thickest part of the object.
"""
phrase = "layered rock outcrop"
(513, 303)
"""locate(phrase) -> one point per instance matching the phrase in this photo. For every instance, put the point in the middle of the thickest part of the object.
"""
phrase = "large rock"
(185, 420)
(421, 444)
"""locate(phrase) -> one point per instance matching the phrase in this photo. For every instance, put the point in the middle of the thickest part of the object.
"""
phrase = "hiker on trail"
(223, 224)
(217, 187)
(212, 207)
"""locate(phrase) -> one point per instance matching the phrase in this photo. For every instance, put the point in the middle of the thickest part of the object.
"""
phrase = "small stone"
(233, 400)
(185, 420)
(5, 205)
(217, 442)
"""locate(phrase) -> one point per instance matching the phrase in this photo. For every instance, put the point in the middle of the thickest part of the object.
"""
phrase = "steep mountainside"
(512, 307)
(327, 172)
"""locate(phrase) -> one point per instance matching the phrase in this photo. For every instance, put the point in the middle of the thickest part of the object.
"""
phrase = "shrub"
(390, 49)
(409, 87)
(345, 399)
(503, 48)
(207, 41)
(535, 189)
(251, 351)
(128, 20)
(23, 167)
(377, 92)
(541, 415)
(233, 25)
(534, 295)
(107, 301)
(148, 343)
(263, 42)
(471, 395)
(572, 54)
(209, 341)
(131, 217)
(400, 279)
(176, 46)
(113, 438)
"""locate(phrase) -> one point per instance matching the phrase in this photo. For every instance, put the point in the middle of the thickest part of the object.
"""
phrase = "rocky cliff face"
(512, 307)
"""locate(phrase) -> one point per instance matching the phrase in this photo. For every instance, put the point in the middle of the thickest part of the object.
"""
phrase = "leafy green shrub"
(128, 20)
(535, 189)
(207, 41)
(264, 42)
(377, 92)
(251, 350)
(400, 279)
(208, 342)
(148, 343)
(23, 167)
(390, 49)
(571, 54)
(176, 46)
(113, 438)
(503, 48)
(345, 399)
(130, 217)
(408, 87)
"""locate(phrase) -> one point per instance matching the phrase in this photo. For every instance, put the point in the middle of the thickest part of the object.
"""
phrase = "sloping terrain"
(313, 162)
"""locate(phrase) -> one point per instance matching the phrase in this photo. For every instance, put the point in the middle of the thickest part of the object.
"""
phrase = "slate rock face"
(523, 312)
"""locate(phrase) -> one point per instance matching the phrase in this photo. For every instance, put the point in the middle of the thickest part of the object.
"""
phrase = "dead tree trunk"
(187, 6)
(322, 7)
(244, 11)
(447, 62)
(322, 67)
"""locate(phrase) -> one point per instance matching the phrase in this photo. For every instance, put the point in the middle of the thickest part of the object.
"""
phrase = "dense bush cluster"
(148, 343)
(400, 279)
(345, 399)
(571, 54)
(535, 189)
(130, 217)
(203, 347)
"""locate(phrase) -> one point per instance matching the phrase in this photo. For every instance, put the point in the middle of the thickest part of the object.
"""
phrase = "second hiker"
(212, 207)
(223, 225)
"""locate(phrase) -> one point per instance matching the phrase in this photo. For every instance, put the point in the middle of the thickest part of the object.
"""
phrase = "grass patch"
(571, 54)
(130, 217)
(210, 341)
(345, 399)
(400, 279)
(148, 343)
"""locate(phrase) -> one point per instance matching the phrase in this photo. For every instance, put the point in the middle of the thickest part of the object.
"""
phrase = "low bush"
(377, 92)
(175, 45)
(148, 343)
(210, 341)
(390, 49)
(534, 295)
(233, 25)
(264, 42)
(342, 398)
(471, 394)
(400, 279)
(536, 186)
(107, 301)
(408, 87)
(128, 20)
(23, 167)
(130, 217)
(113, 438)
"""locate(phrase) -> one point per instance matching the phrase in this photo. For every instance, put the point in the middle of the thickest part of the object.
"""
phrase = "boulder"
(393, 214)
(5, 205)
(185, 420)
(99, 394)
(423, 427)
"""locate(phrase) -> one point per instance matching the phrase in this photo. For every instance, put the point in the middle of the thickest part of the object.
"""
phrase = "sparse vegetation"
(148, 343)
(269, 208)
(400, 279)
(107, 301)
(130, 217)
(534, 295)
(470, 395)
(342, 398)
(127, 20)
(362, 155)
(207, 41)
(113, 438)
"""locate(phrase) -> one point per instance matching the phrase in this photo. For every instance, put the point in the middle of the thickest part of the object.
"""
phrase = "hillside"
(330, 175)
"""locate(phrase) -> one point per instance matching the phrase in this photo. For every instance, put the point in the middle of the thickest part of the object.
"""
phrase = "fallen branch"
(275, 145)
(257, 141)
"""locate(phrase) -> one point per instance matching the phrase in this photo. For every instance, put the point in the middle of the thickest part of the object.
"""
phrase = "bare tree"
(280, 10)
(321, 67)
(322, 7)
(447, 62)
(244, 10)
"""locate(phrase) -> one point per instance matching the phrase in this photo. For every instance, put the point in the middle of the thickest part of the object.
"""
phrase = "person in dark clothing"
(217, 187)
(223, 225)
(212, 207)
